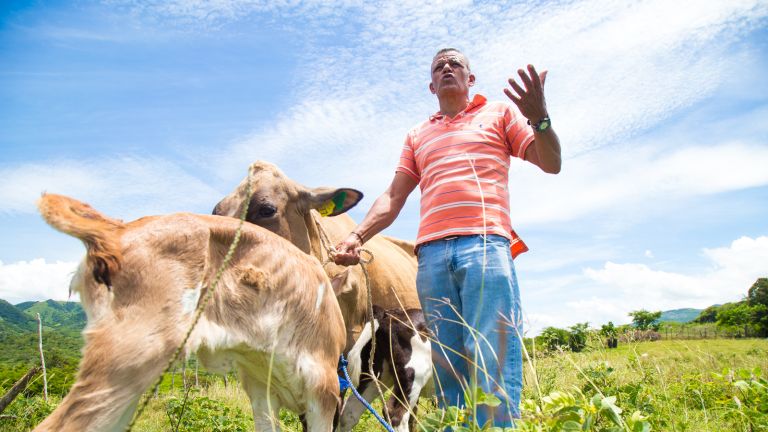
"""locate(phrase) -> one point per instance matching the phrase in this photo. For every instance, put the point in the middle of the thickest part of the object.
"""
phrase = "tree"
(644, 320)
(708, 315)
(554, 338)
(758, 292)
(610, 333)
(577, 339)
(742, 316)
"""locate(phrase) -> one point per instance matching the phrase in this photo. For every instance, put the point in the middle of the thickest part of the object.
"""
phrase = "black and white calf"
(402, 362)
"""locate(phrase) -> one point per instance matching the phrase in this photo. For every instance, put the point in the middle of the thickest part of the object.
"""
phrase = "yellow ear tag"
(327, 208)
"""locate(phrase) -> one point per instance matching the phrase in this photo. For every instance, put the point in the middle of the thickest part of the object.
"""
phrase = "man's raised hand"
(530, 98)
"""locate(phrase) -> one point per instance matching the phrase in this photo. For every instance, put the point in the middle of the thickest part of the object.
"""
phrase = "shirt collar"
(477, 100)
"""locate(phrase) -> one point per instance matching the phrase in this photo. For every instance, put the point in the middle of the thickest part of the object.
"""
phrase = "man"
(465, 245)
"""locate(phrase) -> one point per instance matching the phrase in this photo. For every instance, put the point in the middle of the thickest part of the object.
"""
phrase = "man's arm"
(544, 151)
(381, 215)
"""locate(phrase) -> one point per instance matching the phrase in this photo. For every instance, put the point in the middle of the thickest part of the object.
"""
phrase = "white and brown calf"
(402, 359)
(140, 284)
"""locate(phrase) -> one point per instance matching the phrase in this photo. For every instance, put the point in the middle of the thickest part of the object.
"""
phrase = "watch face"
(543, 125)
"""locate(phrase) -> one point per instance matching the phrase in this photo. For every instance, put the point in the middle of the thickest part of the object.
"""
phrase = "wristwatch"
(541, 125)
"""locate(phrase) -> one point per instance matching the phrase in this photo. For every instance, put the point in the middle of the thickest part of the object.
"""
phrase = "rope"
(330, 251)
(200, 306)
(343, 366)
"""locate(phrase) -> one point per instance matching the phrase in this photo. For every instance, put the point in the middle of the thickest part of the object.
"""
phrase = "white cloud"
(635, 180)
(36, 280)
(123, 187)
(609, 293)
(731, 271)
(648, 253)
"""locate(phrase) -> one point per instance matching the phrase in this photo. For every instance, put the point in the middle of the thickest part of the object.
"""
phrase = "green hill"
(56, 314)
(63, 323)
(680, 315)
(14, 320)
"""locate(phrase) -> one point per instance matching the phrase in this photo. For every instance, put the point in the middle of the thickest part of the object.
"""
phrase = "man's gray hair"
(445, 50)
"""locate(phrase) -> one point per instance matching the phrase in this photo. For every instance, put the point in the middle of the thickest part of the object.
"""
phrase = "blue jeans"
(469, 305)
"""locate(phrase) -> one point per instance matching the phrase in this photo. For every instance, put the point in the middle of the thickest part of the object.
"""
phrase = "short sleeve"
(517, 133)
(407, 163)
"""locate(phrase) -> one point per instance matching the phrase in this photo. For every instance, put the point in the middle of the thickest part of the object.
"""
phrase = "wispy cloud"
(614, 71)
(124, 186)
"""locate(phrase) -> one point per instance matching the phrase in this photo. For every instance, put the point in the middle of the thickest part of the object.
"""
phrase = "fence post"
(17, 388)
(42, 357)
(184, 374)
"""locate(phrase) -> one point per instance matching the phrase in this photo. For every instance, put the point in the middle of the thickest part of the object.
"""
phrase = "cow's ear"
(340, 283)
(333, 202)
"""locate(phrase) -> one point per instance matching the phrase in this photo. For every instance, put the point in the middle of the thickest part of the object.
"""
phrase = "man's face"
(450, 75)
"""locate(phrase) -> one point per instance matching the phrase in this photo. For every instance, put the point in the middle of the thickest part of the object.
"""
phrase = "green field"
(697, 385)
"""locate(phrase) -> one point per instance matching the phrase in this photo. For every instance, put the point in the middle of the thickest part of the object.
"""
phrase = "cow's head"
(281, 205)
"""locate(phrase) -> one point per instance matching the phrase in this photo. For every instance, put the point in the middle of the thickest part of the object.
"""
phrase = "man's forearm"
(380, 216)
(548, 151)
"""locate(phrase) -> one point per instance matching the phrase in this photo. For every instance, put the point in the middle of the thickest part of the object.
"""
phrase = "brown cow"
(294, 211)
(140, 284)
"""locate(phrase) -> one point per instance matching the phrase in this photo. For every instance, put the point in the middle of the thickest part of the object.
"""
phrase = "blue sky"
(148, 107)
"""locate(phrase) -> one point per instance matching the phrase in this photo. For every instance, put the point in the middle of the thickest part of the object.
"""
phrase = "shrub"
(205, 414)
(577, 338)
(26, 412)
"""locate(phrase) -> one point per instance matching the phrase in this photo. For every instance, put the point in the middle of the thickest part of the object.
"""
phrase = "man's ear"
(340, 283)
(432, 88)
(471, 79)
(332, 202)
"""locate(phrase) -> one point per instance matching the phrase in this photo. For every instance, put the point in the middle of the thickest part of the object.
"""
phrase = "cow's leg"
(421, 363)
(320, 412)
(410, 378)
(266, 408)
(353, 408)
(118, 364)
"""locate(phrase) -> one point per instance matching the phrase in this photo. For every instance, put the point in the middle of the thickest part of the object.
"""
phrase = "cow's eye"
(266, 210)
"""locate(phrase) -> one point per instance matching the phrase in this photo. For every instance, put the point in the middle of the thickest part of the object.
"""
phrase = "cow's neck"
(316, 248)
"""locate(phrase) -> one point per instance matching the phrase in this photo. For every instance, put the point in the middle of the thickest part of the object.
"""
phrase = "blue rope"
(346, 382)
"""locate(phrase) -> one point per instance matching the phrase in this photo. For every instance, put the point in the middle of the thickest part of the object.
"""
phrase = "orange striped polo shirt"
(462, 166)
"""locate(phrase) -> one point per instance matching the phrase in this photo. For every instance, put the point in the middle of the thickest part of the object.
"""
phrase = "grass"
(678, 385)
(674, 382)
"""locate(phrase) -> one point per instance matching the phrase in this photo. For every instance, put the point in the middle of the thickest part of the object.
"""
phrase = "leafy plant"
(748, 405)
(201, 413)
(573, 411)
(25, 413)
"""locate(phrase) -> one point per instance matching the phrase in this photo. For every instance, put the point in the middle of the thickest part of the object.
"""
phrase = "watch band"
(541, 125)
